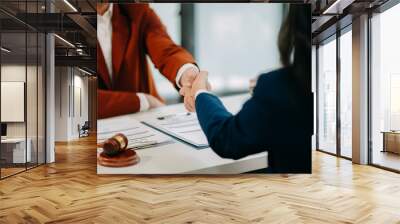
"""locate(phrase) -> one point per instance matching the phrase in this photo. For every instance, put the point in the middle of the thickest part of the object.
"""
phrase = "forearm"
(210, 108)
(115, 103)
(232, 136)
(217, 124)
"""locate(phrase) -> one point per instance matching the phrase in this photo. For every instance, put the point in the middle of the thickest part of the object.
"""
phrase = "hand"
(188, 77)
(188, 98)
(200, 83)
(188, 101)
(153, 101)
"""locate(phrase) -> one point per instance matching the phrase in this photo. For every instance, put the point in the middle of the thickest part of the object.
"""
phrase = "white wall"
(82, 83)
(61, 103)
(80, 97)
(16, 73)
(70, 84)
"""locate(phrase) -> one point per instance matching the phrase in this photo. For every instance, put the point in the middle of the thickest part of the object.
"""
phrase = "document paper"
(138, 134)
(184, 126)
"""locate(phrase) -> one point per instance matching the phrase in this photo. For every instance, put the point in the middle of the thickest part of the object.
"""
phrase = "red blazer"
(137, 32)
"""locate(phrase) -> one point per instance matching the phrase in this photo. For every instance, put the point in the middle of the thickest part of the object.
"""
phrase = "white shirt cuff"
(181, 70)
(201, 91)
(144, 103)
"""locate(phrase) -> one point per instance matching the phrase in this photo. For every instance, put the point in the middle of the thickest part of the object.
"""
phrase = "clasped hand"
(191, 82)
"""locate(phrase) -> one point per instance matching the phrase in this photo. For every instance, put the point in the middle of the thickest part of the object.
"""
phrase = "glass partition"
(327, 96)
(14, 144)
(22, 89)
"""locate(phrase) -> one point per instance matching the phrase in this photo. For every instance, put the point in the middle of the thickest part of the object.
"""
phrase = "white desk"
(18, 151)
(181, 158)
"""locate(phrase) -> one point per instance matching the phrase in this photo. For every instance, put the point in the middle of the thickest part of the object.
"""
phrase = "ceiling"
(75, 22)
(331, 15)
(22, 21)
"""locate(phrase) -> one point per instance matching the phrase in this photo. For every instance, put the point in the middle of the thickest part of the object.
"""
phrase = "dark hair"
(295, 38)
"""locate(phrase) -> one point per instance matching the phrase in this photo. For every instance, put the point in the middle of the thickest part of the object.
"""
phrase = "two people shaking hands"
(193, 85)
(278, 118)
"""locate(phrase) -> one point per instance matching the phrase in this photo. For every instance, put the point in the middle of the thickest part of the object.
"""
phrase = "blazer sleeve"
(114, 103)
(164, 53)
(233, 136)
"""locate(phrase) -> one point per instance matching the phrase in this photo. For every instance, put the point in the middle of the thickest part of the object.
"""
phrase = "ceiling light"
(80, 51)
(64, 40)
(332, 8)
(5, 50)
(84, 71)
(70, 5)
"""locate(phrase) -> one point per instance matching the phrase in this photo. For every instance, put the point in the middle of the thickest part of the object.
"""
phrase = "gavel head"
(115, 144)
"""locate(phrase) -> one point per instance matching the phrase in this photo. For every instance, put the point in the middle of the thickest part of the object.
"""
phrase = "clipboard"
(184, 127)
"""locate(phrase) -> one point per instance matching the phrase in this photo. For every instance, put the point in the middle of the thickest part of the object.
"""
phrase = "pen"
(173, 115)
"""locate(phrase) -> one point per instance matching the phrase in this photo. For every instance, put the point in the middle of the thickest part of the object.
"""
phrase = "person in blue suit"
(278, 118)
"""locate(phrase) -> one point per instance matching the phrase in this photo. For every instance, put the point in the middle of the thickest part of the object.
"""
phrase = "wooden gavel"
(116, 152)
(115, 145)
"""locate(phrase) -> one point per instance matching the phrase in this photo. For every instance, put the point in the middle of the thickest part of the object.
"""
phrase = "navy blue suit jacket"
(278, 118)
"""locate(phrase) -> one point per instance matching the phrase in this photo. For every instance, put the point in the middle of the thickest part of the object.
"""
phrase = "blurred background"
(234, 42)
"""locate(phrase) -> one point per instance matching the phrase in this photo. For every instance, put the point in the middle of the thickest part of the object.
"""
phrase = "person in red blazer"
(127, 34)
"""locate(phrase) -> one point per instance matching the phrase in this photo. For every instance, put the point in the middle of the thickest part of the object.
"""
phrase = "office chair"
(84, 130)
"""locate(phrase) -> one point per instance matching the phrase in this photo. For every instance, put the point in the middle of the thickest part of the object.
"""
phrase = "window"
(385, 89)
(242, 45)
(327, 96)
(346, 94)
(314, 90)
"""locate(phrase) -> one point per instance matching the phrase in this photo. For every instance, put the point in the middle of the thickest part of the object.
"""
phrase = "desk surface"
(181, 158)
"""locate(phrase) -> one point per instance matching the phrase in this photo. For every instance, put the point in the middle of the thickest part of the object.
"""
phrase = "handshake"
(193, 81)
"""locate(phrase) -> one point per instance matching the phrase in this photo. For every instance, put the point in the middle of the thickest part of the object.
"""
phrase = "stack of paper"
(184, 126)
(138, 134)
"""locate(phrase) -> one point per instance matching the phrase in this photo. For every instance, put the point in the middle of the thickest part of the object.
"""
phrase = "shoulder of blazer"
(134, 11)
(272, 85)
(280, 88)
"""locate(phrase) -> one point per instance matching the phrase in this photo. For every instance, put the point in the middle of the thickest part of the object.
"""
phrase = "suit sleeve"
(232, 136)
(164, 53)
(114, 103)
